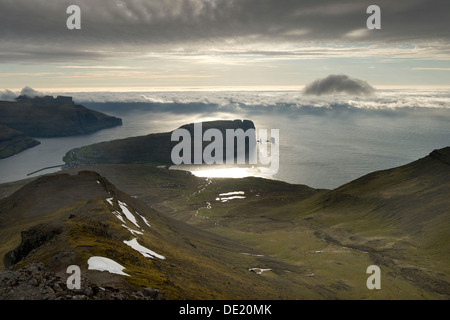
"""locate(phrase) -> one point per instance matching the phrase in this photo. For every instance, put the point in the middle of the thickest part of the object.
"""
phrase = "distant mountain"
(153, 148)
(13, 141)
(52, 117)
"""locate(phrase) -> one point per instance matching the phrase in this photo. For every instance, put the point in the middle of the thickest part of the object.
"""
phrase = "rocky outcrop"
(35, 282)
(31, 239)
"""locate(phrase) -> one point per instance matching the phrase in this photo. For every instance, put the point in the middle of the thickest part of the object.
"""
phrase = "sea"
(324, 141)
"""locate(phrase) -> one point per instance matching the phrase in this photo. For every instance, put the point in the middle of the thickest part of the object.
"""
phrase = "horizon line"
(219, 88)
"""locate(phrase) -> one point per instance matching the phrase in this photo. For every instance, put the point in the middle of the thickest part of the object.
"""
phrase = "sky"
(191, 44)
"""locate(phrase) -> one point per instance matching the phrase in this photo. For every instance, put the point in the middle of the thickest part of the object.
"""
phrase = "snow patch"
(232, 193)
(117, 214)
(131, 230)
(261, 270)
(231, 198)
(143, 250)
(223, 197)
(128, 214)
(252, 254)
(105, 264)
(144, 219)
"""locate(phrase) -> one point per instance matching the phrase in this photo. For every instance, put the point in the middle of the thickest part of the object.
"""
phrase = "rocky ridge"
(35, 282)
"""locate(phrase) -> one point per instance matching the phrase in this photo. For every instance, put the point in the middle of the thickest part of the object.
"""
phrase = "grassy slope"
(317, 243)
(397, 219)
(198, 264)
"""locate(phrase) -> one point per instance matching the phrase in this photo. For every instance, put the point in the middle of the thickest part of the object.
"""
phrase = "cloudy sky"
(146, 44)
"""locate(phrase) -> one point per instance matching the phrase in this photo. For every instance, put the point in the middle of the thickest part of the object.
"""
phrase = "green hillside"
(248, 238)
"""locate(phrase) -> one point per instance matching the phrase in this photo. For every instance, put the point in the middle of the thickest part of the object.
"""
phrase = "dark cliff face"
(53, 117)
(31, 239)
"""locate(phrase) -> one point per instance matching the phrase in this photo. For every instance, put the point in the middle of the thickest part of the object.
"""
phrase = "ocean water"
(324, 141)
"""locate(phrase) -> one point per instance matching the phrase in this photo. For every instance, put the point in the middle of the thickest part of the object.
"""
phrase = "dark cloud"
(339, 83)
(136, 24)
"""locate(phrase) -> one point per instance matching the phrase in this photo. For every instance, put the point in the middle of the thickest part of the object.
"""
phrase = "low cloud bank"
(8, 95)
(30, 92)
(260, 102)
(340, 83)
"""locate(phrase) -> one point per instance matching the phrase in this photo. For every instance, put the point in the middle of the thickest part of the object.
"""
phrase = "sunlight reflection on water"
(222, 171)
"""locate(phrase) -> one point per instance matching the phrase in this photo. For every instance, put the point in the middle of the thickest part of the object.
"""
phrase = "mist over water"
(324, 141)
